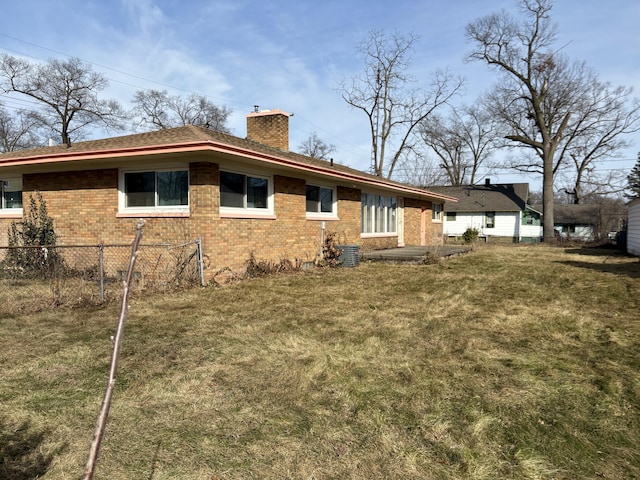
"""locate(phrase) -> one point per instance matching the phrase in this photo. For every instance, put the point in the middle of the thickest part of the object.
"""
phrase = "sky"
(293, 54)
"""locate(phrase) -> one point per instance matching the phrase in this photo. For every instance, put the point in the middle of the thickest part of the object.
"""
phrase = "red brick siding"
(84, 207)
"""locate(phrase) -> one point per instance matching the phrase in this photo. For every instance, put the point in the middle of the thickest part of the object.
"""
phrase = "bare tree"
(316, 148)
(394, 107)
(17, 132)
(159, 110)
(463, 141)
(66, 93)
(537, 92)
(421, 170)
(597, 131)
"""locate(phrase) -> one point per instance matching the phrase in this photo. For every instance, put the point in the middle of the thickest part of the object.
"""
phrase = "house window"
(320, 200)
(490, 220)
(249, 193)
(11, 190)
(156, 190)
(450, 216)
(436, 212)
(378, 214)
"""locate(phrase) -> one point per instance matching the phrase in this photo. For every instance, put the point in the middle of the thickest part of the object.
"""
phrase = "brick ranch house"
(240, 196)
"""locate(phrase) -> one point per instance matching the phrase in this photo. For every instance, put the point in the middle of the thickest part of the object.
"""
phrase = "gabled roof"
(189, 139)
(494, 197)
(581, 214)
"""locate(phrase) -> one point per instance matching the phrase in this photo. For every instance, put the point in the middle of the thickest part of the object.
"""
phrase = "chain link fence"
(34, 278)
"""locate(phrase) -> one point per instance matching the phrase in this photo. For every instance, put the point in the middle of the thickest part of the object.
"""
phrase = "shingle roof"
(195, 138)
(495, 197)
(576, 214)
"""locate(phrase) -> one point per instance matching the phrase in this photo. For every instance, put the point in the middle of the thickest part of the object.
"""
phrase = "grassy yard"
(506, 363)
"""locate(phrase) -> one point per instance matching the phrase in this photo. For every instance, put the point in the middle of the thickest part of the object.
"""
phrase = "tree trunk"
(548, 231)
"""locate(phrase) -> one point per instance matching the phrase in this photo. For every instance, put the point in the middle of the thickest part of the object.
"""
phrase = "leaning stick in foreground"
(115, 353)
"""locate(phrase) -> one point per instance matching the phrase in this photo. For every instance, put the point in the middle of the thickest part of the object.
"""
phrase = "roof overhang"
(69, 158)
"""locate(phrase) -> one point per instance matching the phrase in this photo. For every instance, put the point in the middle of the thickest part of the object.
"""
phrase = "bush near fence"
(33, 278)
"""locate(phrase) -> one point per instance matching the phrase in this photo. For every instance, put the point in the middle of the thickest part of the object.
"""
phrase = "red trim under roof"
(204, 145)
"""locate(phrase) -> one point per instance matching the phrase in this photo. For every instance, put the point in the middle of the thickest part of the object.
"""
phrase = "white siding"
(530, 231)
(633, 228)
(507, 224)
(583, 233)
(462, 222)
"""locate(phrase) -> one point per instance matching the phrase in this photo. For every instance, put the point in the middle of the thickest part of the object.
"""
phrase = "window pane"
(366, 201)
(139, 189)
(326, 200)
(313, 196)
(436, 210)
(173, 188)
(231, 190)
(379, 214)
(257, 192)
(11, 193)
(391, 214)
(490, 220)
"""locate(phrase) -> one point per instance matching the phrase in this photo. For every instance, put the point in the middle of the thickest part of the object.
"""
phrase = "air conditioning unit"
(350, 256)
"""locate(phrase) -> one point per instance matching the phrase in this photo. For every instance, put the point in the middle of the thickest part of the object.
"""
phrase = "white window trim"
(175, 210)
(10, 212)
(243, 212)
(333, 215)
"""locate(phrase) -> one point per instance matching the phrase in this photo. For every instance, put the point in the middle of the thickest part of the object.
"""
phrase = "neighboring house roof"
(192, 139)
(576, 214)
(493, 197)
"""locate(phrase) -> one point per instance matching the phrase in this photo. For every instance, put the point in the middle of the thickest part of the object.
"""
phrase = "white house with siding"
(633, 228)
(497, 211)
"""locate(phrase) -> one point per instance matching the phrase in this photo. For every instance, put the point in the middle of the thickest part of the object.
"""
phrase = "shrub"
(330, 252)
(261, 268)
(470, 235)
(32, 241)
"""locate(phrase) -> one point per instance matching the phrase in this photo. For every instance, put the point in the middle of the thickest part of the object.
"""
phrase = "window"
(451, 216)
(11, 190)
(436, 212)
(155, 190)
(320, 200)
(530, 217)
(490, 220)
(246, 192)
(379, 214)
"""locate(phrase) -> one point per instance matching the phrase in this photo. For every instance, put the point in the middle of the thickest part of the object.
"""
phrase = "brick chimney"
(269, 127)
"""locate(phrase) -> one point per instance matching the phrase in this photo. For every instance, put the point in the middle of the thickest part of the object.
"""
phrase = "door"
(400, 220)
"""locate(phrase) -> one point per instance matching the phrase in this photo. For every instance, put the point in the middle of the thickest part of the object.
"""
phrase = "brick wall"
(413, 209)
(269, 128)
(84, 207)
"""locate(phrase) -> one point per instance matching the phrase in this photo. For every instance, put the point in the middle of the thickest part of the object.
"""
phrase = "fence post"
(200, 261)
(101, 258)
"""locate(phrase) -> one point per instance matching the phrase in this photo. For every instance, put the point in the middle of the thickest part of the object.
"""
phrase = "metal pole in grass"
(101, 423)
(200, 261)
(101, 258)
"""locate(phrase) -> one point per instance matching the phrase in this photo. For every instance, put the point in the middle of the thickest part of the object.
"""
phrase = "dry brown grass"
(510, 362)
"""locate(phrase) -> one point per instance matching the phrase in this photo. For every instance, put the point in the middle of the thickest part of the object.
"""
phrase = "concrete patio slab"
(413, 253)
